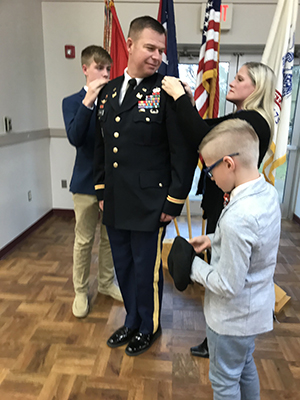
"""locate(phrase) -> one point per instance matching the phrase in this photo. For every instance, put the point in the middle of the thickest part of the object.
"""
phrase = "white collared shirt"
(243, 186)
(124, 86)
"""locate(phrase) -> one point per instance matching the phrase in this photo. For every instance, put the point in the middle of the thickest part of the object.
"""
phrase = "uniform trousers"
(137, 260)
(86, 209)
(232, 370)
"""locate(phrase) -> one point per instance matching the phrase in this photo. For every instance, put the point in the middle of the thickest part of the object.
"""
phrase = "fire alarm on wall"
(69, 51)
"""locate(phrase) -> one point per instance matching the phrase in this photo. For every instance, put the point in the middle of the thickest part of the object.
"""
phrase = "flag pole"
(176, 226)
(188, 212)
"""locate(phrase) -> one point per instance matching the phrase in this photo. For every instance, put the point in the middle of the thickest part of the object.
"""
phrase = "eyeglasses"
(208, 171)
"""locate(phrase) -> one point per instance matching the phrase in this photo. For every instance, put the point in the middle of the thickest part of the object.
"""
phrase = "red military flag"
(207, 84)
(114, 41)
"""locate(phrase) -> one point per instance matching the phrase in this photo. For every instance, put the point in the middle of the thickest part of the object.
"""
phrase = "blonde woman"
(252, 91)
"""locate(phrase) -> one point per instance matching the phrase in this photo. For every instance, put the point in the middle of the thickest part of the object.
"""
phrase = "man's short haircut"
(95, 53)
(232, 136)
(139, 24)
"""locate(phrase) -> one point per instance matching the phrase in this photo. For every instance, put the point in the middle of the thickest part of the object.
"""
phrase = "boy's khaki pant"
(86, 209)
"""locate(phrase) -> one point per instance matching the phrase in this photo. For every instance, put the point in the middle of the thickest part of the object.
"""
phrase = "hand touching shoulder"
(94, 88)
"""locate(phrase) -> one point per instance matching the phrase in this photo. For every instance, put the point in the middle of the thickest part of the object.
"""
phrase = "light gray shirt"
(239, 295)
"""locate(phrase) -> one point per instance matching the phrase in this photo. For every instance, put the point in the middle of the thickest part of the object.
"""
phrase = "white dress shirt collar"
(243, 186)
(125, 84)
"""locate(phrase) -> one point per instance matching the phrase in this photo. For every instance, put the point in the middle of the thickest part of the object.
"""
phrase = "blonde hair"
(262, 98)
(232, 136)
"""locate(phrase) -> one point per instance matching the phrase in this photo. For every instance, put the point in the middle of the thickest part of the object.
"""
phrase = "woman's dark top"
(195, 129)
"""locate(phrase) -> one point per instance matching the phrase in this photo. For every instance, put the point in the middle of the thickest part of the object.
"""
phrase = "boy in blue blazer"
(80, 121)
(239, 288)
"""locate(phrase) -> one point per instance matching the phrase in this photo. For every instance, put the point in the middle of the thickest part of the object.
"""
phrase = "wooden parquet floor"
(47, 354)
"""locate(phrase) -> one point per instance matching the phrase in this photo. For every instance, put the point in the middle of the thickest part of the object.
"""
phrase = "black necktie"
(131, 85)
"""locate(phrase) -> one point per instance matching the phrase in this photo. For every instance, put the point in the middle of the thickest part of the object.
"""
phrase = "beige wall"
(25, 164)
(22, 78)
(81, 24)
(35, 76)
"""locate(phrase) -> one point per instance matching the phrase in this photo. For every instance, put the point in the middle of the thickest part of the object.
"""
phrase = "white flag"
(279, 55)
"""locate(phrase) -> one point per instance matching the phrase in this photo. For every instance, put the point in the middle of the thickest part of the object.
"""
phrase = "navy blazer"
(80, 123)
(148, 166)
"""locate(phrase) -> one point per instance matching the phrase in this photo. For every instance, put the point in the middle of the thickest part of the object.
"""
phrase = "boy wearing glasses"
(239, 287)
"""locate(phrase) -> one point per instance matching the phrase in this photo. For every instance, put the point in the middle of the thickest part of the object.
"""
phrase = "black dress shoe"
(121, 336)
(201, 350)
(141, 342)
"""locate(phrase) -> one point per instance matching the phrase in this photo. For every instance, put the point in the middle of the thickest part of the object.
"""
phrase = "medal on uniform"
(100, 112)
(151, 102)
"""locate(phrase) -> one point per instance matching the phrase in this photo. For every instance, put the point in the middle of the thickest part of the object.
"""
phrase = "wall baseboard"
(296, 219)
(60, 212)
(55, 211)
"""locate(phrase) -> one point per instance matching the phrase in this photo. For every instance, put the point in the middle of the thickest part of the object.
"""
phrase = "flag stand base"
(281, 298)
(167, 244)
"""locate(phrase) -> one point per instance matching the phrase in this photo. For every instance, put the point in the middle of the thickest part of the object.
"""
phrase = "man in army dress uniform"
(143, 182)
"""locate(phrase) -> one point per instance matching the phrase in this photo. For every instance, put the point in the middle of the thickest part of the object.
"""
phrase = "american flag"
(114, 41)
(169, 65)
(207, 84)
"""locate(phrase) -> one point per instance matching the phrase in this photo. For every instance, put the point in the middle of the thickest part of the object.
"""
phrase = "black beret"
(180, 261)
